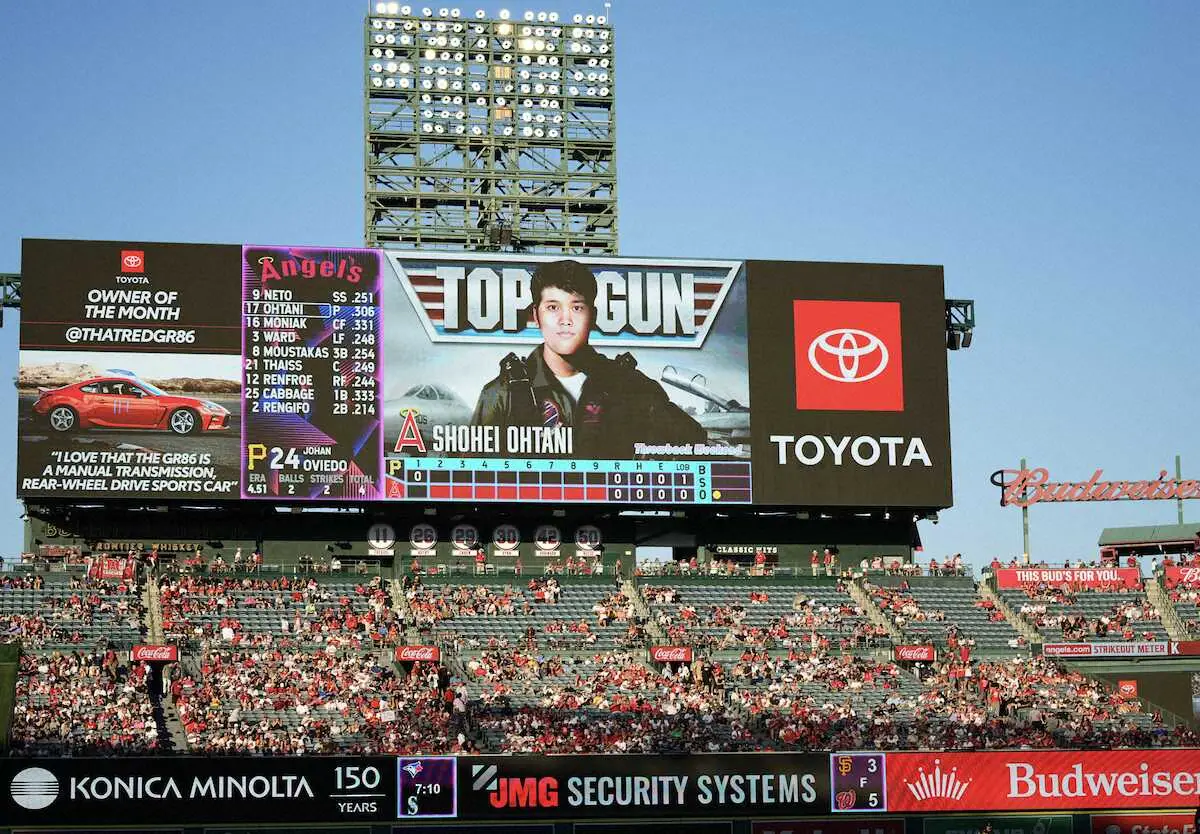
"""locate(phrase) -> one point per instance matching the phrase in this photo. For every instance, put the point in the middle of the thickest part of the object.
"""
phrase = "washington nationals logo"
(859, 355)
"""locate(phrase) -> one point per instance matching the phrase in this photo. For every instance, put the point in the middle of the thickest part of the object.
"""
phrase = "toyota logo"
(132, 261)
(854, 351)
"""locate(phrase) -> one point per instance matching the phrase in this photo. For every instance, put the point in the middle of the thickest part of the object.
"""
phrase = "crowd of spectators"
(1049, 607)
(84, 703)
(78, 612)
(298, 666)
(428, 605)
(1015, 703)
(900, 606)
(809, 622)
(303, 612)
(270, 701)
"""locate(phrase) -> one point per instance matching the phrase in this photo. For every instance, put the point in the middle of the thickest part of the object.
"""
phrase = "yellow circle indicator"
(716, 495)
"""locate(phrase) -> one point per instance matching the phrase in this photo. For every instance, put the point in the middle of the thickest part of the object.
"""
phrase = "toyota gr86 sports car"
(126, 403)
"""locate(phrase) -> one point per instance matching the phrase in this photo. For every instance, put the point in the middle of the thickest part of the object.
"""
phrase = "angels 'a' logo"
(639, 301)
(410, 434)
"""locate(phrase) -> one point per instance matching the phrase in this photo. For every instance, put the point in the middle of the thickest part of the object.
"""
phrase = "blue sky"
(1045, 153)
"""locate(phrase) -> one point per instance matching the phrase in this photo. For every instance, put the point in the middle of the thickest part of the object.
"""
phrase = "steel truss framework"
(489, 134)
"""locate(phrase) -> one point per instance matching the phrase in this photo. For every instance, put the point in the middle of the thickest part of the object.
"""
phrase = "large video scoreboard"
(301, 374)
(847, 792)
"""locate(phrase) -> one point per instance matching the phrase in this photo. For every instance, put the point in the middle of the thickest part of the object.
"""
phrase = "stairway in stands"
(171, 734)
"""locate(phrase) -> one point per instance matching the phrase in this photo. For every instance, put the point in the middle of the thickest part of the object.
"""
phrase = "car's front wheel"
(62, 418)
(183, 421)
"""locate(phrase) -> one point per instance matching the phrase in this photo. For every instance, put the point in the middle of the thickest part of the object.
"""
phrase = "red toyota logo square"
(848, 356)
(133, 260)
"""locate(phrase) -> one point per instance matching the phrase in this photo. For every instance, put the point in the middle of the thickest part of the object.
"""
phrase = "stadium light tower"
(489, 133)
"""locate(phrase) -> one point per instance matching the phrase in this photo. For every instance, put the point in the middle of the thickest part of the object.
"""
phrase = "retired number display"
(312, 371)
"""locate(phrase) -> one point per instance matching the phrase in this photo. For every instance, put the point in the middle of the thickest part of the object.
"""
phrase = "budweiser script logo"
(1186, 576)
(1026, 487)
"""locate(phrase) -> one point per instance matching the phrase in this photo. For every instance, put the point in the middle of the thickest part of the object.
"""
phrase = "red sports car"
(126, 403)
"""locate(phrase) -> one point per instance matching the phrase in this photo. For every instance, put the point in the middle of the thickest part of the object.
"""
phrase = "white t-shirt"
(574, 384)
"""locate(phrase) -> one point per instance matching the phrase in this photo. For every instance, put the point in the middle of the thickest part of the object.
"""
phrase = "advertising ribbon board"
(1040, 780)
(1091, 578)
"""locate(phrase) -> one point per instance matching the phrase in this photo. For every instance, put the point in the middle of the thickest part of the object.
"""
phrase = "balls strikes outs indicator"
(427, 787)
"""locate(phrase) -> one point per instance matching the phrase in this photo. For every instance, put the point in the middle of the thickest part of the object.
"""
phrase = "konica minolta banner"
(308, 374)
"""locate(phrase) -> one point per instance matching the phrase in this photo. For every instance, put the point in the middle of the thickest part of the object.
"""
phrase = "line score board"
(607, 481)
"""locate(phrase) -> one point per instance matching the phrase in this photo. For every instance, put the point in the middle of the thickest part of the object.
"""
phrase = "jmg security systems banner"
(330, 375)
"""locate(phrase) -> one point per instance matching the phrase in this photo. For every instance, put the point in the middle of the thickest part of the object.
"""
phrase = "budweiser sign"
(915, 654)
(671, 654)
(1143, 823)
(1042, 780)
(415, 653)
(1130, 578)
(1188, 576)
(1026, 487)
(163, 654)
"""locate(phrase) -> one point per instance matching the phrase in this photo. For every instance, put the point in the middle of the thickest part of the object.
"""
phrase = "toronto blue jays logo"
(413, 769)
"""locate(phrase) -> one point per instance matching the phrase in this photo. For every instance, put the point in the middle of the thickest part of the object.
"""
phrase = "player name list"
(311, 386)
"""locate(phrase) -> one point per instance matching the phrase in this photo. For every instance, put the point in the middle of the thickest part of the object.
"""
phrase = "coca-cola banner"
(1165, 648)
(1188, 576)
(409, 654)
(671, 654)
(163, 654)
(1144, 822)
(1026, 780)
(915, 654)
(1091, 578)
